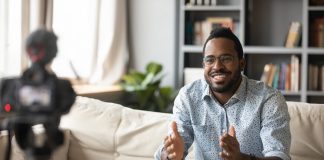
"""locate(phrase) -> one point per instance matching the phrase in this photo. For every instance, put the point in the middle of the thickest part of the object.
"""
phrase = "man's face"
(222, 67)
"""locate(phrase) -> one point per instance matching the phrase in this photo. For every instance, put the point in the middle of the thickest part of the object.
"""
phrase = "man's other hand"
(173, 145)
(230, 145)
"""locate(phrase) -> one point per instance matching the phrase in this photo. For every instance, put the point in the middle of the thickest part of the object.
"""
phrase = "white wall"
(152, 35)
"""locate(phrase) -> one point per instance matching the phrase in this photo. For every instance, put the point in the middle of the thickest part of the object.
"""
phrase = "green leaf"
(128, 88)
(158, 77)
(146, 87)
(154, 68)
(138, 76)
(128, 79)
(166, 92)
(144, 96)
(148, 79)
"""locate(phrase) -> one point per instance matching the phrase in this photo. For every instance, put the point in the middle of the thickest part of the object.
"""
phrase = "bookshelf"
(263, 27)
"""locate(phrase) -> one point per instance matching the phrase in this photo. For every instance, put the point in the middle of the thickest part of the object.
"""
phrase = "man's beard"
(230, 86)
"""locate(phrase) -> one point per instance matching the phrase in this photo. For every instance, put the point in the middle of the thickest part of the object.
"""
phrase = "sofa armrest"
(307, 130)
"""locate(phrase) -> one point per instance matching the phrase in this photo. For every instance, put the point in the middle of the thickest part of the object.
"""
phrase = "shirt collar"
(206, 90)
(240, 93)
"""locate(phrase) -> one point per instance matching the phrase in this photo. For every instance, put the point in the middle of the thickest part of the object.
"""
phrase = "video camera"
(37, 97)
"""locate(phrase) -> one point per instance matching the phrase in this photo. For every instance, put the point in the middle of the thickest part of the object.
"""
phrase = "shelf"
(315, 93)
(211, 8)
(271, 50)
(263, 28)
(290, 93)
(316, 8)
(315, 50)
(252, 50)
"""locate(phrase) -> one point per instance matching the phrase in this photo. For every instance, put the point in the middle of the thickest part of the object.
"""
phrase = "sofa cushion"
(3, 144)
(141, 132)
(93, 124)
(59, 154)
(307, 131)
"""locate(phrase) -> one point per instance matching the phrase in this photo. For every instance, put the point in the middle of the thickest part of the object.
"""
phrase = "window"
(74, 22)
(10, 39)
(91, 36)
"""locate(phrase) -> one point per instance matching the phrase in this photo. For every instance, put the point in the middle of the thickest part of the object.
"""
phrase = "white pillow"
(93, 125)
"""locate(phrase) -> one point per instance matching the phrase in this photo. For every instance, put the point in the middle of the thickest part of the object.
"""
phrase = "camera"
(38, 96)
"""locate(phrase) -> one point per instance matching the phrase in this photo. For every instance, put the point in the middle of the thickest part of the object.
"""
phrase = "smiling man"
(226, 115)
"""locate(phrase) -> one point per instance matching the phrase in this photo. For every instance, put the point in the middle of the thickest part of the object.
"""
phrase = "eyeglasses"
(224, 59)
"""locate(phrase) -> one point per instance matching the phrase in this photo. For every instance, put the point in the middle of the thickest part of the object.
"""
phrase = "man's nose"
(218, 64)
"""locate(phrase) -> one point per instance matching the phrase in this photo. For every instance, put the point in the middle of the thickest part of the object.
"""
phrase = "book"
(294, 35)
(215, 22)
(310, 77)
(205, 28)
(317, 32)
(273, 69)
(315, 78)
(322, 78)
(222, 21)
(294, 73)
(321, 35)
(266, 73)
(288, 80)
(282, 76)
(275, 83)
(316, 2)
(198, 36)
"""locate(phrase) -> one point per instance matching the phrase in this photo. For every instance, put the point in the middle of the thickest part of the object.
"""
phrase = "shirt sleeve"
(181, 115)
(157, 154)
(275, 131)
(182, 118)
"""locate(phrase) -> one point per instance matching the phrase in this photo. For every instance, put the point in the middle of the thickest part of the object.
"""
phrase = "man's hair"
(225, 33)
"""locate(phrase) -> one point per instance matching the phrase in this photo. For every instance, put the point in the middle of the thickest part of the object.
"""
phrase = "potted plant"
(149, 95)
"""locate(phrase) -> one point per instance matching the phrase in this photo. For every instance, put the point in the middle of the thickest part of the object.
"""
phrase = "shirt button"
(223, 131)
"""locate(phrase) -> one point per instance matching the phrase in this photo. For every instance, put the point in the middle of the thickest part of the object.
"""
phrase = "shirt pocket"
(204, 138)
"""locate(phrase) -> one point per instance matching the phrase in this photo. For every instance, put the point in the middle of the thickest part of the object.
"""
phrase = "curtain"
(17, 19)
(10, 37)
(92, 40)
(111, 58)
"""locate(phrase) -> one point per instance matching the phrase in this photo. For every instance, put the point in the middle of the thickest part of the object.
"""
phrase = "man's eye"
(210, 60)
(226, 59)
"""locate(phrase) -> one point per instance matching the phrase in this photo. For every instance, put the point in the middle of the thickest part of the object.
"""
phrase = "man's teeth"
(218, 75)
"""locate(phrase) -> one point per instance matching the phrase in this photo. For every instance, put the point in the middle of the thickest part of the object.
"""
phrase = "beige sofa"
(99, 130)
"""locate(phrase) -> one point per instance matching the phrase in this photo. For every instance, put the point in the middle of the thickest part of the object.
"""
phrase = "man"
(227, 115)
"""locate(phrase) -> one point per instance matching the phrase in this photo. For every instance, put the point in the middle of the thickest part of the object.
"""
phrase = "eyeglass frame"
(220, 58)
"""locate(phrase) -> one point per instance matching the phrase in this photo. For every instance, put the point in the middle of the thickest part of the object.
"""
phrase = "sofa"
(97, 130)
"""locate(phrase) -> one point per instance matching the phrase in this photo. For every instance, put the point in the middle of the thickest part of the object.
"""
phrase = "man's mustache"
(220, 71)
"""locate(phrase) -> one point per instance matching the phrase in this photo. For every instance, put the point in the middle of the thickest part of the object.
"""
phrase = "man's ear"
(242, 64)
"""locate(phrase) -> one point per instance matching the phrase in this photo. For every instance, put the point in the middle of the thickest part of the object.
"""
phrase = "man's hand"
(173, 144)
(230, 146)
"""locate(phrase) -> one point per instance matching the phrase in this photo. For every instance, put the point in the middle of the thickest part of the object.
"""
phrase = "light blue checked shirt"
(258, 113)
